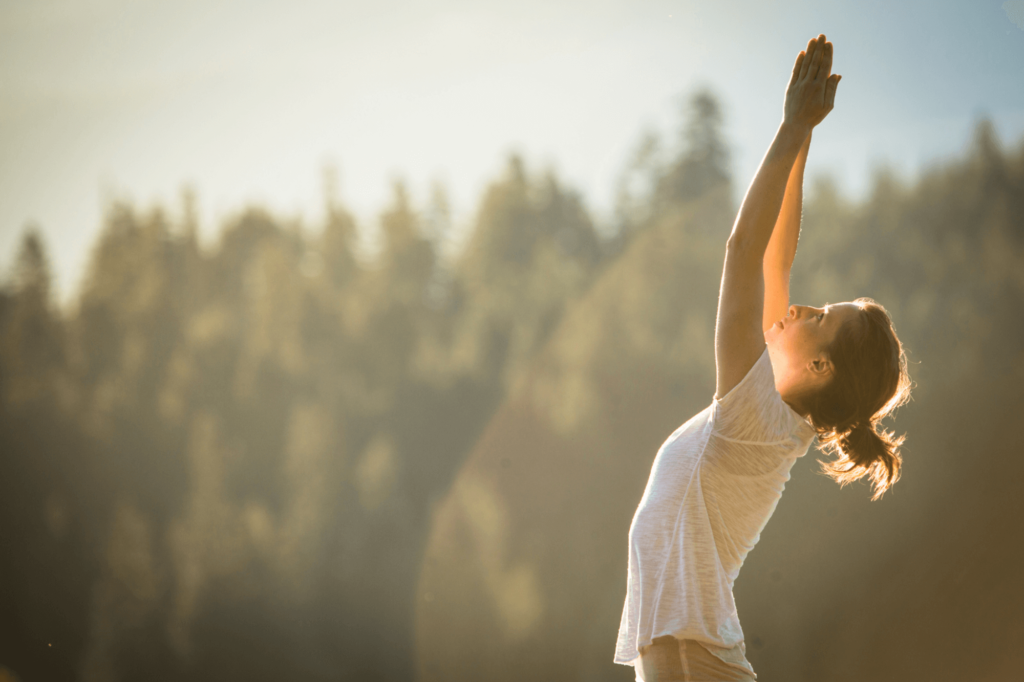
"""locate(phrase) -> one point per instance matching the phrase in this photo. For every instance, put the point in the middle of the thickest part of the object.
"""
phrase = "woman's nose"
(792, 311)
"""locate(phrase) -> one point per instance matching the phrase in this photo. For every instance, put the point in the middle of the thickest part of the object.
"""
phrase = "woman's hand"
(812, 88)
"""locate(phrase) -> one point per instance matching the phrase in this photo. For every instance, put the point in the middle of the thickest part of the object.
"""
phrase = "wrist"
(789, 141)
(797, 131)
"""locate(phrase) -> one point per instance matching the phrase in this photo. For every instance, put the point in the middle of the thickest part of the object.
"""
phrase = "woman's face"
(798, 345)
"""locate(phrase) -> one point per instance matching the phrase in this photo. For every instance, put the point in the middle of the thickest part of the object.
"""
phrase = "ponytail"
(869, 383)
(863, 451)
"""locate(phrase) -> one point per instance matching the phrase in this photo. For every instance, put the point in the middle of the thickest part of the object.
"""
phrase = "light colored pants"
(668, 659)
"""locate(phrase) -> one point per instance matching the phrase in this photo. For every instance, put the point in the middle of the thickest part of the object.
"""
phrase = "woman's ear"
(820, 366)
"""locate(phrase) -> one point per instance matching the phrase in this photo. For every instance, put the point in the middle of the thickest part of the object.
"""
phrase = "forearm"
(763, 202)
(778, 257)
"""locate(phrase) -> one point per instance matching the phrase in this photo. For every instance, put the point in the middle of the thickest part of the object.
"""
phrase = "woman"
(785, 374)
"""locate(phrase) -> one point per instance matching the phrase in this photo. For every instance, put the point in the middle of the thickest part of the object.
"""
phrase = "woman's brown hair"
(870, 381)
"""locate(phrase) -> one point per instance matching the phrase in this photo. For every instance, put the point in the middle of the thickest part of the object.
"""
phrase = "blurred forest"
(279, 458)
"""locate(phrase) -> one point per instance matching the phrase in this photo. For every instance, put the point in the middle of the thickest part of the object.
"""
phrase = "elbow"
(744, 251)
(737, 244)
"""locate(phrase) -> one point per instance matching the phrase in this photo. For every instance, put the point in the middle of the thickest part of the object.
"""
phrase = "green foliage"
(653, 187)
(533, 249)
(32, 358)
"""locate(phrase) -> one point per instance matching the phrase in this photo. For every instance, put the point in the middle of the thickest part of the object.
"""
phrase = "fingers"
(819, 52)
(825, 70)
(812, 61)
(812, 44)
(800, 58)
(830, 90)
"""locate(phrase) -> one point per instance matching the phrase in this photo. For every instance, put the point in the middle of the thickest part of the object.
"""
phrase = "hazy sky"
(247, 101)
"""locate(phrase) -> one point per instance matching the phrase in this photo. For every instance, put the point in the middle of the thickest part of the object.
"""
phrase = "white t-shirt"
(714, 484)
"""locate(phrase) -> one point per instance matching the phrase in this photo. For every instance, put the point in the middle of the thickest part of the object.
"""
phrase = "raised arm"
(739, 337)
(778, 258)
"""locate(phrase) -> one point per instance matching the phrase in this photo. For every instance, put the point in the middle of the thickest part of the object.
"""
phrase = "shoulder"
(754, 410)
(758, 382)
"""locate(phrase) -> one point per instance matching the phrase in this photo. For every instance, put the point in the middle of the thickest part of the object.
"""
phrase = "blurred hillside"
(276, 459)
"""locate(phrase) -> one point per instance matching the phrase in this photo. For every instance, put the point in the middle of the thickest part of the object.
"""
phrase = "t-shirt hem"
(732, 664)
(709, 648)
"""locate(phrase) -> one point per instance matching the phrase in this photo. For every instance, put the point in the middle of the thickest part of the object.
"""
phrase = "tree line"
(260, 460)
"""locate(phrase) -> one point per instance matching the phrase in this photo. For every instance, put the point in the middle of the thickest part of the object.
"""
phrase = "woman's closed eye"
(820, 316)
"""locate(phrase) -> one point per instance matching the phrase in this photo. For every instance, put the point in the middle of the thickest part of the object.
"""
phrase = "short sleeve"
(754, 412)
